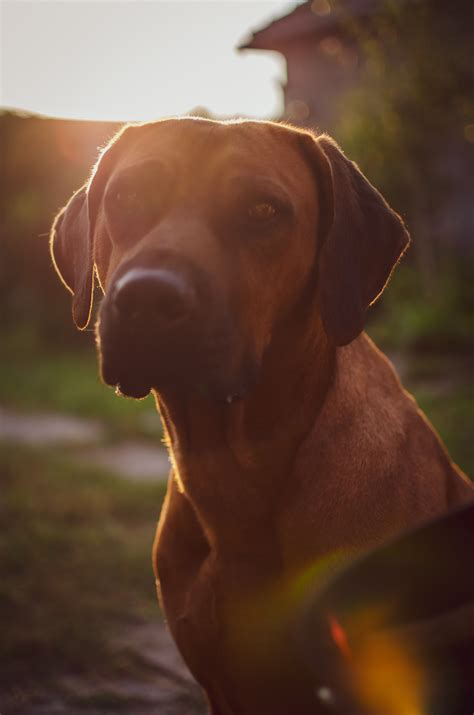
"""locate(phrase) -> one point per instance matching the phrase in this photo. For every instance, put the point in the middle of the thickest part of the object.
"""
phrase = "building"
(322, 56)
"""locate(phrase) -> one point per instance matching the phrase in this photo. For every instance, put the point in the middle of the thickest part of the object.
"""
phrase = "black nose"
(153, 295)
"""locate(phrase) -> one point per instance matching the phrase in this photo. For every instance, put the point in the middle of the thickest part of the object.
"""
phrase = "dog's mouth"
(157, 330)
(136, 364)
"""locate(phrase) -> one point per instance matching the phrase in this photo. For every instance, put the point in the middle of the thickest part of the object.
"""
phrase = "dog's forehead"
(209, 147)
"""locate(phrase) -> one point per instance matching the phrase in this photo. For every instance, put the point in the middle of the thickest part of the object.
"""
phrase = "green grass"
(68, 382)
(75, 561)
(407, 317)
(452, 414)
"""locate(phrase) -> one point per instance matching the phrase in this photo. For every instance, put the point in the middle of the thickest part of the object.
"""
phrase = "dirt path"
(159, 684)
(134, 460)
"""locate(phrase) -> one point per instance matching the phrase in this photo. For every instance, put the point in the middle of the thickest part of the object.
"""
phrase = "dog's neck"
(224, 455)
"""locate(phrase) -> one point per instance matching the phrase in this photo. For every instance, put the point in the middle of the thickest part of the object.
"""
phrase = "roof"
(314, 17)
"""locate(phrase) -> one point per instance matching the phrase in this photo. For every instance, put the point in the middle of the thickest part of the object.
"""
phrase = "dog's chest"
(234, 622)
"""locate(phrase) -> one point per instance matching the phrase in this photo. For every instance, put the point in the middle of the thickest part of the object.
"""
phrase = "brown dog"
(238, 260)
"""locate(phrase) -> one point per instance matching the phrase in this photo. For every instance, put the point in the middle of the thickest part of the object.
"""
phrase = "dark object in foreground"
(394, 632)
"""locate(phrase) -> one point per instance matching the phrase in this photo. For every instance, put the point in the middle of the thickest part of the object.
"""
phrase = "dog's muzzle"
(161, 324)
(149, 320)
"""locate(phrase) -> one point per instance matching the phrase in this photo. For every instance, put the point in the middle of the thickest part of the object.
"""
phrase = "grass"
(439, 320)
(75, 562)
(451, 411)
(68, 382)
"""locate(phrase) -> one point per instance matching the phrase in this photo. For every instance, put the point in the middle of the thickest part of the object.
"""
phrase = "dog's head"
(206, 237)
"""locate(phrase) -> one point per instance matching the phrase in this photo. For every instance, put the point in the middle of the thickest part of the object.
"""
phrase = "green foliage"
(43, 162)
(415, 94)
(405, 124)
(408, 319)
(75, 562)
(450, 407)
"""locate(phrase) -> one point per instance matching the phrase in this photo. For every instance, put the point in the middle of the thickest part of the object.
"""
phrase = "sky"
(138, 60)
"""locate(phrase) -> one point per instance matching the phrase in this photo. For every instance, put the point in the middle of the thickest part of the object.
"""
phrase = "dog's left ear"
(360, 242)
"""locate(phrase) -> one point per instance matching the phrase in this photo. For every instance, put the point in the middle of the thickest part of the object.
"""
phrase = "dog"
(237, 261)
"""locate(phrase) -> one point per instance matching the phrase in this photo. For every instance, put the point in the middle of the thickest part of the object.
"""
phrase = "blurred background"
(82, 472)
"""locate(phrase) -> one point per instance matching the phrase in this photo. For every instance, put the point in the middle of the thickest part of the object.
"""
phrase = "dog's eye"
(262, 212)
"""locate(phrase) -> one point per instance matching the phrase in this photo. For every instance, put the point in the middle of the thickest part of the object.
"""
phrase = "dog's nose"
(153, 294)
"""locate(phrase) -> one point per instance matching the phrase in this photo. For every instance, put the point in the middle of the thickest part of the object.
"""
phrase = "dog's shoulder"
(384, 420)
(366, 407)
(371, 457)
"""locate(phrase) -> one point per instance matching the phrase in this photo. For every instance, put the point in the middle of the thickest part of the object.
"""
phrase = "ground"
(82, 478)
(80, 515)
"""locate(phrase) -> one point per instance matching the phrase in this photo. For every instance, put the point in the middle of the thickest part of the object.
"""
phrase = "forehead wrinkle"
(180, 143)
(266, 150)
(211, 150)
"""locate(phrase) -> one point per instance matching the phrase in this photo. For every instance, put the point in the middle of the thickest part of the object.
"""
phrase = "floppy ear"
(362, 240)
(72, 233)
(72, 254)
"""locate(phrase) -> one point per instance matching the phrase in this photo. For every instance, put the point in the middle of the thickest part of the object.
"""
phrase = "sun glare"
(125, 61)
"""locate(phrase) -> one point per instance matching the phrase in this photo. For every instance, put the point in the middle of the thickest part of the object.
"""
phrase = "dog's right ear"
(72, 254)
(72, 233)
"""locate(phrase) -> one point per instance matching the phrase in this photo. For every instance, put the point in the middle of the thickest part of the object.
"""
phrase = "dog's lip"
(136, 393)
(138, 382)
(135, 363)
(113, 376)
